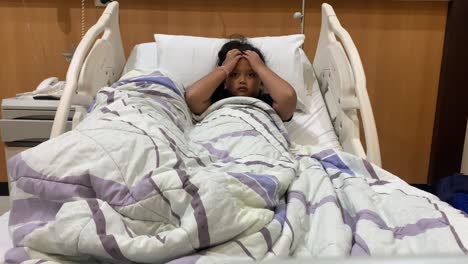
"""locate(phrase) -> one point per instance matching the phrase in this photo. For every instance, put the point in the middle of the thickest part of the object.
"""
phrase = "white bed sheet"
(5, 240)
(313, 128)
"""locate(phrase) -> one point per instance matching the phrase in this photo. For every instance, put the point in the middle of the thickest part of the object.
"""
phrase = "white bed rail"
(339, 70)
(92, 68)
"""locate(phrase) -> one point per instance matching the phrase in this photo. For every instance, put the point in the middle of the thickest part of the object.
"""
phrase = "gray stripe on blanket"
(108, 241)
(452, 229)
(196, 203)
(286, 148)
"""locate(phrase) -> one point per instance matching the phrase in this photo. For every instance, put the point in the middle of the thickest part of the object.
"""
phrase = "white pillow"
(190, 58)
(143, 56)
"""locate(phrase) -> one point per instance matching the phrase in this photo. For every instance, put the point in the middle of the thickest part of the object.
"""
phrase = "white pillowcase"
(191, 58)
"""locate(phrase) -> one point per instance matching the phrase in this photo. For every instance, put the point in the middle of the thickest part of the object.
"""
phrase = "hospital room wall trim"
(400, 44)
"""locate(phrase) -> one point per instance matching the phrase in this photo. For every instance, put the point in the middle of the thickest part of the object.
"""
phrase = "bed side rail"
(96, 63)
(342, 81)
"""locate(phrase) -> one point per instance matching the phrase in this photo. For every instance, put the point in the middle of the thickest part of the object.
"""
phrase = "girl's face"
(243, 81)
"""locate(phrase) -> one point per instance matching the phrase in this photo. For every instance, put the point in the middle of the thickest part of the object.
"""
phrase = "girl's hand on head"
(232, 57)
(254, 60)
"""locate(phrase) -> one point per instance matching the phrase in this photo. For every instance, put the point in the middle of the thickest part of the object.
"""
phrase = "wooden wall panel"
(400, 44)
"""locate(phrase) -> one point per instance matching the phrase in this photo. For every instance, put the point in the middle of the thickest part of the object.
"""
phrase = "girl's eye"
(253, 75)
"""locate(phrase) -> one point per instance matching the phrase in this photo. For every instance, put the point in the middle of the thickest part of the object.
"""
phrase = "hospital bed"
(337, 70)
(338, 88)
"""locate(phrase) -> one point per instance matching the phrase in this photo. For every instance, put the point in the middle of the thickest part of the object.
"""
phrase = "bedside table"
(26, 123)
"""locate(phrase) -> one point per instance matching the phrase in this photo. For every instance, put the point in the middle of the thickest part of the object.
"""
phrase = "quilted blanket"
(139, 181)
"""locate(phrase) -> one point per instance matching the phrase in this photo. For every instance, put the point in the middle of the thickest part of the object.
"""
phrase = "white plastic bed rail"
(343, 84)
(91, 70)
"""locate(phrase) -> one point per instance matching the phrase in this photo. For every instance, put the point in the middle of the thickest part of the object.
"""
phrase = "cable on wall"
(83, 18)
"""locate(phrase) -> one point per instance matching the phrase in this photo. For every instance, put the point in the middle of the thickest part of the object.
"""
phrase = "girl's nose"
(242, 78)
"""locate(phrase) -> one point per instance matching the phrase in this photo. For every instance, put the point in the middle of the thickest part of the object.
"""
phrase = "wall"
(400, 45)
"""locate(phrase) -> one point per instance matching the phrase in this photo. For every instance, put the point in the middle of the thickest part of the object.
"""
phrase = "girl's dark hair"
(242, 45)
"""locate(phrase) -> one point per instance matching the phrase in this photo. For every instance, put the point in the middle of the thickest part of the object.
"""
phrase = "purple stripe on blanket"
(106, 110)
(452, 229)
(257, 162)
(108, 241)
(33, 209)
(323, 154)
(198, 208)
(360, 247)
(267, 236)
(379, 183)
(162, 240)
(334, 162)
(53, 190)
(251, 133)
(286, 148)
(165, 199)
(268, 182)
(335, 175)
(156, 149)
(171, 116)
(70, 187)
(327, 199)
(145, 81)
(299, 196)
(280, 213)
(217, 153)
(143, 188)
(174, 148)
(21, 232)
(271, 114)
(370, 169)
(156, 93)
(292, 232)
(127, 230)
(192, 259)
(246, 251)
(254, 186)
(419, 227)
(371, 216)
(110, 96)
(208, 119)
(311, 208)
(167, 108)
(16, 255)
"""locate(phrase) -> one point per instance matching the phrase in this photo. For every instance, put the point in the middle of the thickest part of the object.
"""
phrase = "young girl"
(241, 71)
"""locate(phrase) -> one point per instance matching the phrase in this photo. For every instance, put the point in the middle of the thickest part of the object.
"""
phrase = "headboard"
(340, 74)
(97, 62)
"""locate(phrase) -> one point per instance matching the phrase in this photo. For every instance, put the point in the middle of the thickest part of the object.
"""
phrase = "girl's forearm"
(198, 94)
(283, 95)
(276, 86)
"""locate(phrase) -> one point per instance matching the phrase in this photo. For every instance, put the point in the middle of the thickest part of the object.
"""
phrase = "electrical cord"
(83, 18)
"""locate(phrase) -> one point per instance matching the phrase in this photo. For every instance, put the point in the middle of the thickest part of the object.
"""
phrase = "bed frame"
(99, 62)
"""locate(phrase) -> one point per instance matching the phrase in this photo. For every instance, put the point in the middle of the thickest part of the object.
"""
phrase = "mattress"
(312, 128)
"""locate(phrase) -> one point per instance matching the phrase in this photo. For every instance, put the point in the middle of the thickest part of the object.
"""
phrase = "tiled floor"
(4, 204)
